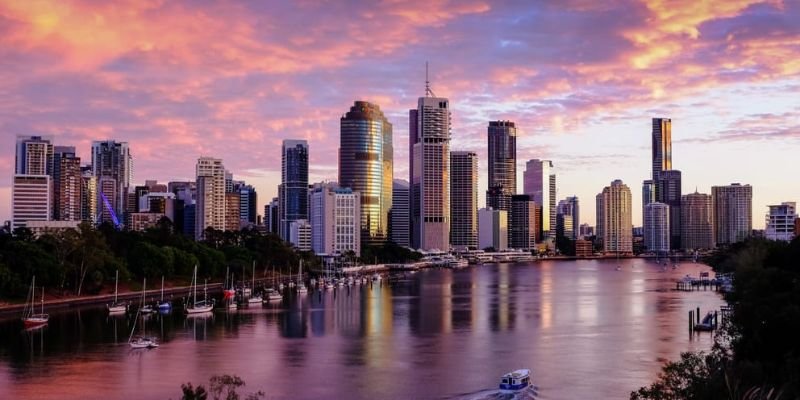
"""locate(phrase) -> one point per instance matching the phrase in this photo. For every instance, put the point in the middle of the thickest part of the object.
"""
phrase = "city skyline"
(586, 105)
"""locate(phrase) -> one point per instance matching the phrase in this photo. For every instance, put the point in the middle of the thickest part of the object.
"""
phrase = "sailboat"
(254, 298)
(141, 342)
(29, 318)
(271, 293)
(301, 286)
(227, 289)
(195, 307)
(117, 306)
(162, 304)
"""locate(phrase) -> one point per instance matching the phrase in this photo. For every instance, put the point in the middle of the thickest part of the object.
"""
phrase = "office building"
(67, 184)
(464, 199)
(247, 204)
(293, 190)
(539, 181)
(210, 203)
(614, 218)
(113, 167)
(780, 222)
(366, 166)
(493, 229)
(583, 248)
(300, 234)
(697, 225)
(502, 160)
(523, 226)
(429, 136)
(648, 194)
(399, 217)
(272, 216)
(335, 220)
(30, 199)
(568, 218)
(88, 195)
(656, 228)
(661, 151)
(669, 183)
(233, 221)
(732, 208)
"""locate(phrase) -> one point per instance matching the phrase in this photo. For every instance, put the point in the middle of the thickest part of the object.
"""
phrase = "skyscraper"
(247, 204)
(211, 202)
(335, 220)
(429, 136)
(656, 227)
(539, 181)
(31, 192)
(523, 225)
(272, 216)
(502, 138)
(732, 208)
(399, 218)
(568, 217)
(67, 184)
(697, 228)
(662, 149)
(648, 194)
(615, 210)
(669, 184)
(732, 212)
(233, 221)
(464, 199)
(88, 195)
(493, 229)
(780, 221)
(113, 167)
(366, 166)
(293, 190)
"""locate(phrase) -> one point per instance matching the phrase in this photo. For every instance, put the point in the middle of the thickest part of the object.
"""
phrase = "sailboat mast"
(42, 299)
(162, 288)
(116, 286)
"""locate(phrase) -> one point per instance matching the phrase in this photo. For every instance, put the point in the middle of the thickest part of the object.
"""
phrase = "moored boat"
(30, 319)
(196, 307)
(516, 381)
(117, 307)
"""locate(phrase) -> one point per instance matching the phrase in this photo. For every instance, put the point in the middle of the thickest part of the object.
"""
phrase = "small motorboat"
(142, 342)
(302, 289)
(515, 382)
(255, 299)
(272, 296)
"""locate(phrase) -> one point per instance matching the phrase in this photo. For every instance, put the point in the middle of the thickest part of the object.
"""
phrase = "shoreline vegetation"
(756, 354)
(81, 263)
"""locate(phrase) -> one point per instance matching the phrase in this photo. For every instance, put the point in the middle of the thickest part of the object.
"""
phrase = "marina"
(404, 333)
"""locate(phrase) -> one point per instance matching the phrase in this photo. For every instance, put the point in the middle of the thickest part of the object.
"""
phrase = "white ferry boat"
(515, 382)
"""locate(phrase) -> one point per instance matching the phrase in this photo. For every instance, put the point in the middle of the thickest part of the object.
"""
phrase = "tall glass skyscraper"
(293, 190)
(113, 167)
(662, 151)
(502, 138)
(540, 183)
(366, 166)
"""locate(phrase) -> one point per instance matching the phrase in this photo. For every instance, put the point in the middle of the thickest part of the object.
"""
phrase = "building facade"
(464, 199)
(67, 184)
(697, 225)
(656, 227)
(539, 182)
(669, 183)
(614, 213)
(112, 166)
(523, 225)
(210, 204)
(568, 220)
(335, 220)
(732, 211)
(366, 166)
(293, 190)
(399, 217)
(780, 222)
(248, 199)
(502, 160)
(429, 136)
(493, 229)
(661, 151)
(30, 199)
(300, 234)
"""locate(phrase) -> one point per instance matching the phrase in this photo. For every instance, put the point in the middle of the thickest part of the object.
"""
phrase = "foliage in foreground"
(219, 387)
(757, 354)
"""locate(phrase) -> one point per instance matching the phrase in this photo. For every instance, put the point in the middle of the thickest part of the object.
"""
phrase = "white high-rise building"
(429, 136)
(300, 234)
(493, 229)
(539, 182)
(30, 199)
(614, 218)
(732, 210)
(210, 205)
(656, 227)
(780, 221)
(335, 220)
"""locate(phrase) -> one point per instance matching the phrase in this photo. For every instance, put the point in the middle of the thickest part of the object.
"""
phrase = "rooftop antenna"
(428, 91)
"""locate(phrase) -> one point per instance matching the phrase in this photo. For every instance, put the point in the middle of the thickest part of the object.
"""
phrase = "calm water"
(585, 329)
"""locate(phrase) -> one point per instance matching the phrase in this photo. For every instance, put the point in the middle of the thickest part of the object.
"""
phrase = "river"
(585, 329)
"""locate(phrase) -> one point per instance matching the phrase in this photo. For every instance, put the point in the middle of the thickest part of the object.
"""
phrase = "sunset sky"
(582, 80)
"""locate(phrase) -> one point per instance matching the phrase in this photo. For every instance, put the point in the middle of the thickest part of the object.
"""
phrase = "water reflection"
(436, 333)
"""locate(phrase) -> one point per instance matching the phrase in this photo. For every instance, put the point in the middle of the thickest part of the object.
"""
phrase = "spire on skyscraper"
(428, 91)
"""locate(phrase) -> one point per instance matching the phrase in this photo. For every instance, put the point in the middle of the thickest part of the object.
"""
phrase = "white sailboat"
(141, 342)
(194, 306)
(117, 307)
(254, 299)
(164, 305)
(30, 319)
(272, 295)
(301, 286)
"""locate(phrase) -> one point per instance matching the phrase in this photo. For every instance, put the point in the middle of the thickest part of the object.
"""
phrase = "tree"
(221, 387)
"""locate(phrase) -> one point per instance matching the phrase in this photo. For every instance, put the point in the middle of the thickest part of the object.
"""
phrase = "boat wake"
(531, 393)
